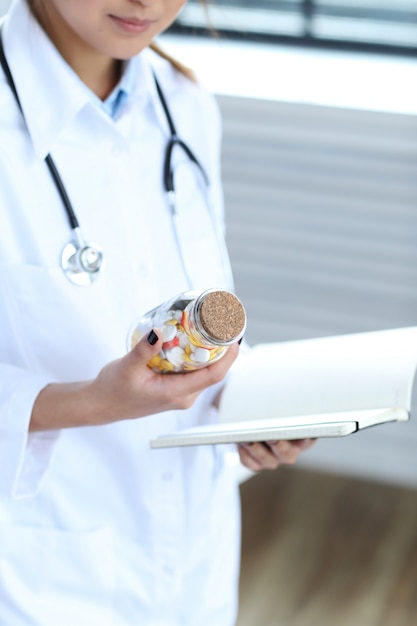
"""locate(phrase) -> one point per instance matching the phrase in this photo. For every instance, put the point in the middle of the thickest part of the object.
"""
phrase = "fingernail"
(240, 340)
(152, 338)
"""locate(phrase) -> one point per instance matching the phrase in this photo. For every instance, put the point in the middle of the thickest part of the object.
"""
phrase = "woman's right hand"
(125, 389)
(129, 388)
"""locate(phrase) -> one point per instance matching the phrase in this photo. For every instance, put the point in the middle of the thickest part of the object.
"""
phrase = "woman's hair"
(183, 69)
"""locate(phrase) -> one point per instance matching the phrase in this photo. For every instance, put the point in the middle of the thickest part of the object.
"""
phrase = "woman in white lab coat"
(96, 528)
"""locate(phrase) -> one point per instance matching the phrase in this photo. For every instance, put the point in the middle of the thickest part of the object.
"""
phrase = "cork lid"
(222, 316)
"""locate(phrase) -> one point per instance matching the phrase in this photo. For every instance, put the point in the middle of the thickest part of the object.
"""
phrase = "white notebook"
(326, 387)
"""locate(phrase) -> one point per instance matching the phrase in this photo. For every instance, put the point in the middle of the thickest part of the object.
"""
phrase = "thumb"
(147, 347)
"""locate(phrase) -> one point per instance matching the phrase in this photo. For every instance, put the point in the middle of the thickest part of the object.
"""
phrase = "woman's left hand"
(271, 454)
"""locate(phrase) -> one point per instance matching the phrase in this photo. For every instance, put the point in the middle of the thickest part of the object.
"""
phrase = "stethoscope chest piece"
(80, 262)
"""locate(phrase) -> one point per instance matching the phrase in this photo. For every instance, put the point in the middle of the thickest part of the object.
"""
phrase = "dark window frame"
(308, 11)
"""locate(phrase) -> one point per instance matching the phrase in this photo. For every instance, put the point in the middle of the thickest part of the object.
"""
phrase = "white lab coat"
(96, 528)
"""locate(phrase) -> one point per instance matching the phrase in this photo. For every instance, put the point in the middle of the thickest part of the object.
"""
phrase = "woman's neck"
(99, 72)
(100, 77)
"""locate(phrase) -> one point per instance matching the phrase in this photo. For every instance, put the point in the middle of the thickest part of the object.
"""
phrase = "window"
(374, 25)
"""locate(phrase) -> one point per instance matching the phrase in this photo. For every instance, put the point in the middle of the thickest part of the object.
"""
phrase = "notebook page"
(356, 372)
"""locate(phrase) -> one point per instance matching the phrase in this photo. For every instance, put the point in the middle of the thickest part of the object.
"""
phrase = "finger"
(262, 455)
(180, 390)
(247, 460)
(305, 444)
(197, 380)
(135, 389)
(148, 347)
(287, 452)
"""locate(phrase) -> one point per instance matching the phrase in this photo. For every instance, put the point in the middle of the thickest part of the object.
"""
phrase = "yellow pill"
(189, 367)
(165, 366)
(196, 343)
(155, 361)
(215, 352)
(136, 337)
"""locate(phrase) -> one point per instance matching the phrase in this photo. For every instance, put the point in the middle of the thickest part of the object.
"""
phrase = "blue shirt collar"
(115, 101)
(52, 94)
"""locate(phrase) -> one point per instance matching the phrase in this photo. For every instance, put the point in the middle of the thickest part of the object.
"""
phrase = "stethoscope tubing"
(72, 218)
(174, 140)
(77, 254)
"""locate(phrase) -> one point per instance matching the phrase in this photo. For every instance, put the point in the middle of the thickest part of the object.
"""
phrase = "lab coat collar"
(50, 92)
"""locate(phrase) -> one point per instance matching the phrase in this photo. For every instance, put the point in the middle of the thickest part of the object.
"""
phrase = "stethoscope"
(82, 262)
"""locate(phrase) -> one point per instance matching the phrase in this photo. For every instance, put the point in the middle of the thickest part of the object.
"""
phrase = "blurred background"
(319, 106)
(372, 25)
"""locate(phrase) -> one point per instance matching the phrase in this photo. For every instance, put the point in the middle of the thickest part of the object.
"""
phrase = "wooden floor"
(321, 550)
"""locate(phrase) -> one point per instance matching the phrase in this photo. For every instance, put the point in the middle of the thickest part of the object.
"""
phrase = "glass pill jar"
(197, 329)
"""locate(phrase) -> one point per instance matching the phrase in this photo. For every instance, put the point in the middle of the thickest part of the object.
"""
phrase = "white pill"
(175, 355)
(201, 355)
(183, 339)
(168, 332)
